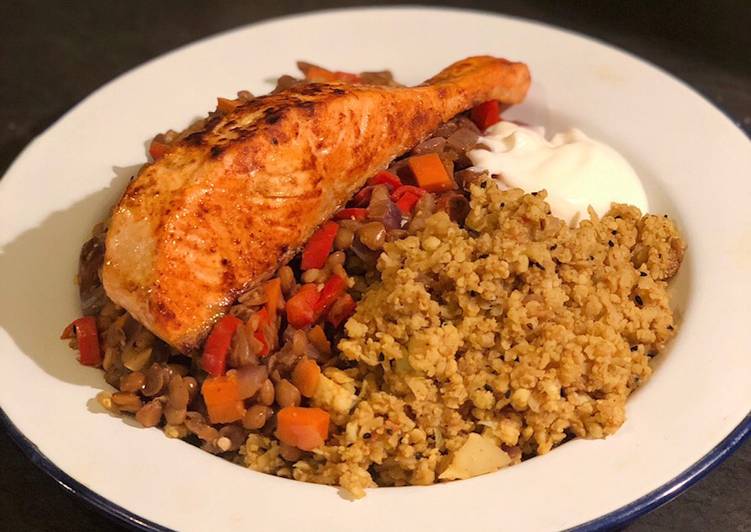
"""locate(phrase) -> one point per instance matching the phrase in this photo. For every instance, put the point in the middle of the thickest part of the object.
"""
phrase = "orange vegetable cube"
(430, 173)
(304, 428)
(222, 398)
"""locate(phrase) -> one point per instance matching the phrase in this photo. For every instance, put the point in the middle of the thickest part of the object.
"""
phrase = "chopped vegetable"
(341, 310)
(406, 197)
(353, 213)
(331, 291)
(407, 202)
(404, 189)
(306, 376)
(216, 348)
(478, 455)
(224, 105)
(304, 428)
(430, 173)
(157, 148)
(273, 291)
(362, 198)
(222, 398)
(86, 333)
(317, 337)
(318, 74)
(486, 114)
(250, 378)
(319, 246)
(385, 178)
(264, 320)
(301, 306)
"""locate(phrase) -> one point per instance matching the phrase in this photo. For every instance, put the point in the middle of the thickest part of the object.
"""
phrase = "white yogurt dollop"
(576, 170)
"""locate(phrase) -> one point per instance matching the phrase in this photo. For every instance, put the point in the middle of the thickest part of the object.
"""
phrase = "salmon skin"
(229, 203)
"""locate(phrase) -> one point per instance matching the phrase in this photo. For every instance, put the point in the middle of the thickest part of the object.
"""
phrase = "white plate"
(696, 166)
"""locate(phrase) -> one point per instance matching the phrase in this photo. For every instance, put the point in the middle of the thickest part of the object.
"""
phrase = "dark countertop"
(53, 54)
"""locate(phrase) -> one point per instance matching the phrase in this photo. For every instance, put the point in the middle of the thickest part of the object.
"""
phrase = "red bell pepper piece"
(407, 202)
(319, 246)
(402, 190)
(216, 348)
(88, 340)
(486, 114)
(353, 213)
(341, 310)
(362, 198)
(406, 196)
(301, 306)
(385, 178)
(333, 288)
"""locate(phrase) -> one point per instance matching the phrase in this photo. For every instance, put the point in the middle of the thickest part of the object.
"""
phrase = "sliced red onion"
(249, 380)
(463, 139)
(364, 253)
(432, 145)
(386, 212)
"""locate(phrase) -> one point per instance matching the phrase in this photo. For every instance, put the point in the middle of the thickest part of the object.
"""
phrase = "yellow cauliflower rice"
(483, 346)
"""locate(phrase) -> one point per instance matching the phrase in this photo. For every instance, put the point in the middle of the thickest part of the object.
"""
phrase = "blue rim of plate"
(622, 516)
(616, 518)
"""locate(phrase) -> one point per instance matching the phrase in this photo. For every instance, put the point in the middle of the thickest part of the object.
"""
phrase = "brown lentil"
(174, 416)
(127, 401)
(150, 414)
(256, 417)
(344, 238)
(287, 394)
(132, 382)
(154, 381)
(373, 235)
(265, 395)
(287, 279)
(289, 452)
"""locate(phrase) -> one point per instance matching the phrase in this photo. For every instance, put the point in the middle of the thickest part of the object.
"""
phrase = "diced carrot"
(222, 398)
(216, 348)
(86, 333)
(157, 148)
(319, 246)
(349, 77)
(301, 306)
(333, 288)
(224, 105)
(430, 173)
(319, 74)
(304, 428)
(273, 291)
(341, 310)
(317, 337)
(306, 376)
(353, 213)
(263, 323)
(385, 178)
(486, 114)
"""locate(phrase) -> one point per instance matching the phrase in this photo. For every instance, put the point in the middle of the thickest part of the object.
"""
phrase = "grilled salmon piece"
(231, 202)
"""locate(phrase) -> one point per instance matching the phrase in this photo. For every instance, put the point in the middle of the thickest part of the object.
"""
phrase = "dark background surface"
(53, 54)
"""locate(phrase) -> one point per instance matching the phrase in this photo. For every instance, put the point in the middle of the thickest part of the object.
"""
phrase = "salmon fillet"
(231, 202)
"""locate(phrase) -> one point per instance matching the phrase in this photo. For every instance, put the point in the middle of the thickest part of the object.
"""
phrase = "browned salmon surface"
(231, 202)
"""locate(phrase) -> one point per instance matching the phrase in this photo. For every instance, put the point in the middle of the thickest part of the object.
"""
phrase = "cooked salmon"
(231, 202)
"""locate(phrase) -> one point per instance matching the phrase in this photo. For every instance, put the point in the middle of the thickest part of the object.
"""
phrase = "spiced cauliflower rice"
(483, 345)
